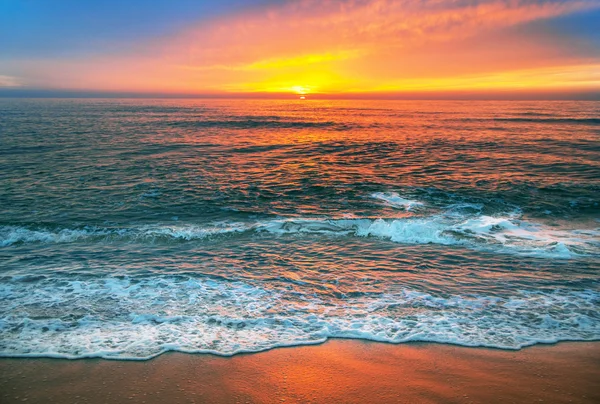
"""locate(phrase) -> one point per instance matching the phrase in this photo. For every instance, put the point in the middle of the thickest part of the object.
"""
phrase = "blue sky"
(48, 28)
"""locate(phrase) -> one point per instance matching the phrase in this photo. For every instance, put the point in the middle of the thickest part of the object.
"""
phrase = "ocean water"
(133, 227)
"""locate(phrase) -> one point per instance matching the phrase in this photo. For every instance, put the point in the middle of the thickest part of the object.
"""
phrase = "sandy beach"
(344, 371)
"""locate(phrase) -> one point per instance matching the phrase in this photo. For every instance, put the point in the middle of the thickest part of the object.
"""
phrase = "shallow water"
(133, 227)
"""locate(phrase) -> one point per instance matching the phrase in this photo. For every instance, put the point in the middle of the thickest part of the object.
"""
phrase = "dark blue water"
(133, 227)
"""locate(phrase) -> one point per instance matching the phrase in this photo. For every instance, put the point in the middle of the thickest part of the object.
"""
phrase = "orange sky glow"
(340, 47)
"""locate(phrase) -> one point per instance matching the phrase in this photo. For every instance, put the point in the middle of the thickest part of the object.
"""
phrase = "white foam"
(191, 232)
(504, 234)
(396, 201)
(122, 318)
(14, 234)
(526, 237)
(10, 235)
(501, 234)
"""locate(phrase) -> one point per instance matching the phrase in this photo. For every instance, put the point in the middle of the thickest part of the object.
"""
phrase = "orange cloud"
(344, 46)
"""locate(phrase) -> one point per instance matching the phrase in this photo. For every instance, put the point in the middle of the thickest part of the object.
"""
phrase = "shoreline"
(57, 357)
(339, 370)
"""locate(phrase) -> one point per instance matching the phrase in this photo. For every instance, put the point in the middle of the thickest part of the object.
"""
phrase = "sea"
(133, 227)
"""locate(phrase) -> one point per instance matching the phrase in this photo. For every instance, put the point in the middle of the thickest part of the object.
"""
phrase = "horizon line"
(480, 95)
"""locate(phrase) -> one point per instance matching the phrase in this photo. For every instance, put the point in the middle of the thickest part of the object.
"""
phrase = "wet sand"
(339, 371)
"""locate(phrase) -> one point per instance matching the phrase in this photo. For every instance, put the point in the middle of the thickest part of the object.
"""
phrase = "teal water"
(133, 227)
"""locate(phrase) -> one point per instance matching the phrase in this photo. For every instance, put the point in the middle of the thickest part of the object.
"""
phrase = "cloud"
(338, 46)
(313, 27)
(9, 81)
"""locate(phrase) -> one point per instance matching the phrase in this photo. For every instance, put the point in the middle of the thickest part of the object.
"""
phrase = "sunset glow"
(338, 47)
(299, 201)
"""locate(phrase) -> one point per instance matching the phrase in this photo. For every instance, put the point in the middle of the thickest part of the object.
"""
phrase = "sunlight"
(302, 90)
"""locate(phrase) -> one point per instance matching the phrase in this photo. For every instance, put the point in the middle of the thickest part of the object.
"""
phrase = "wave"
(258, 122)
(580, 121)
(139, 318)
(505, 234)
(500, 234)
(11, 235)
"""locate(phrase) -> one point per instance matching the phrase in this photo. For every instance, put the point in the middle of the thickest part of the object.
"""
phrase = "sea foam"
(138, 318)
(502, 234)
(395, 200)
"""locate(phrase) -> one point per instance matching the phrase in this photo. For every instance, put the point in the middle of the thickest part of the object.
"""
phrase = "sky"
(354, 48)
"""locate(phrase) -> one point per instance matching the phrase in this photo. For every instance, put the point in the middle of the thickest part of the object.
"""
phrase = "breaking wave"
(139, 318)
(504, 234)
